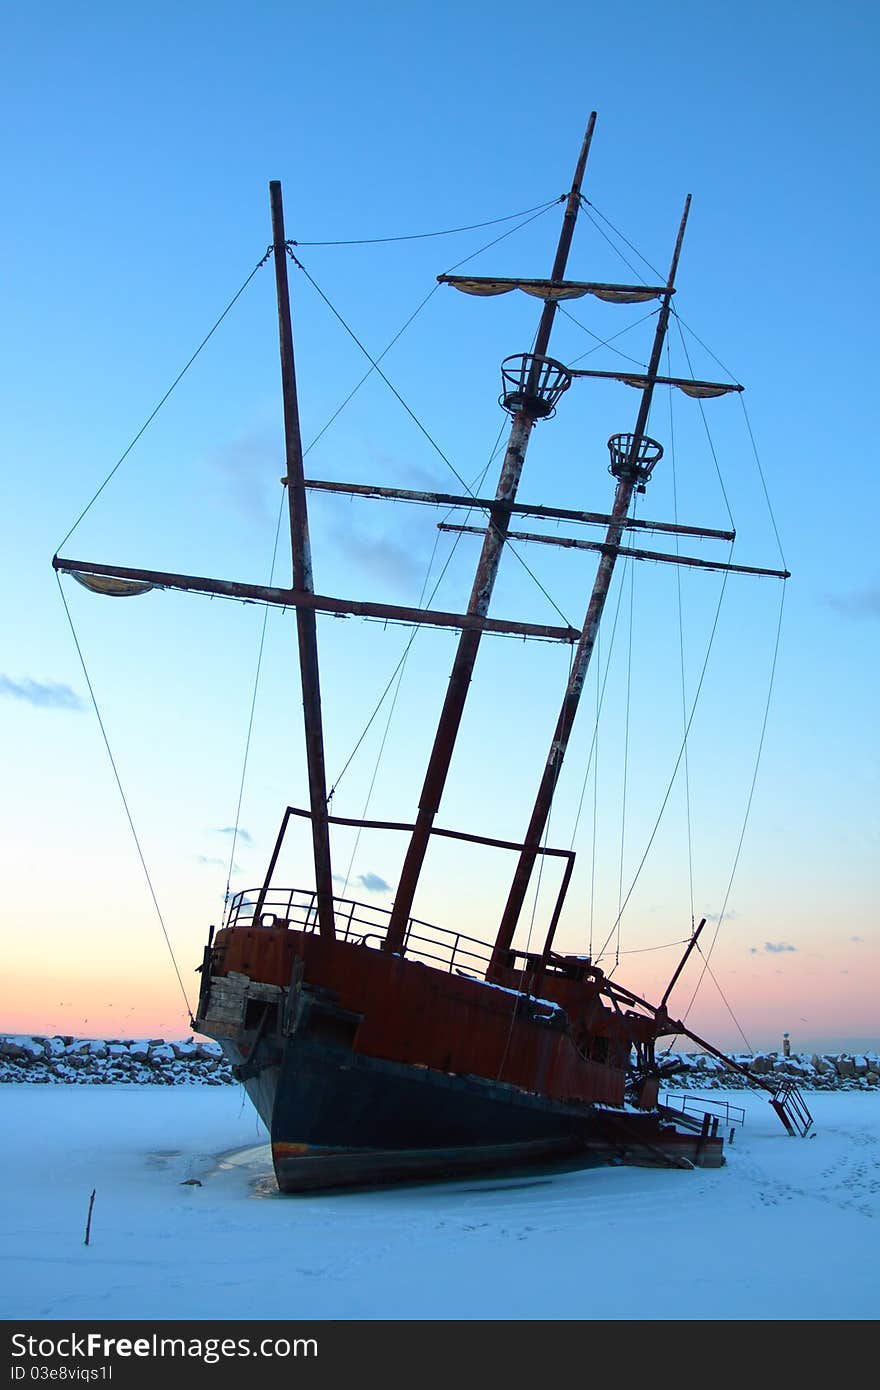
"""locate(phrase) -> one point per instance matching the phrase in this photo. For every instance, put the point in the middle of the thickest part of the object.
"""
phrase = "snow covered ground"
(787, 1230)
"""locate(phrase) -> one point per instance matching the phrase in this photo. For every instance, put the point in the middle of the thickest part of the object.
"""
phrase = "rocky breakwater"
(198, 1062)
(110, 1061)
(811, 1072)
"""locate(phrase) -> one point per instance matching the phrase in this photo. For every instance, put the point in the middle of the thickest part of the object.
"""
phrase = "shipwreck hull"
(339, 1115)
(342, 1119)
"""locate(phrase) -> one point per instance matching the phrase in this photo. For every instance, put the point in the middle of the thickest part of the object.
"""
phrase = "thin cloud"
(777, 946)
(42, 694)
(729, 915)
(240, 833)
(373, 883)
(858, 603)
(857, 938)
(213, 862)
(248, 466)
(381, 557)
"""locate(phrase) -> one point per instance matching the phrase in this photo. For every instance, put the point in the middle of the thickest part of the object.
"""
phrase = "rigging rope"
(595, 804)
(174, 383)
(617, 232)
(134, 833)
(687, 780)
(616, 249)
(749, 801)
(247, 744)
(632, 571)
(678, 759)
(450, 231)
(398, 673)
(544, 840)
(401, 663)
(350, 331)
(706, 427)
(604, 342)
(715, 981)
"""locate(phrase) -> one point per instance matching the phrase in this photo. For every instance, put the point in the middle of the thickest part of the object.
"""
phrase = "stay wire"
(415, 632)
(398, 673)
(714, 978)
(595, 804)
(542, 857)
(603, 342)
(606, 342)
(725, 368)
(631, 566)
(763, 479)
(134, 833)
(175, 382)
(420, 426)
(616, 249)
(450, 231)
(433, 290)
(706, 427)
(247, 745)
(678, 759)
(750, 797)
(687, 780)
(617, 232)
(600, 700)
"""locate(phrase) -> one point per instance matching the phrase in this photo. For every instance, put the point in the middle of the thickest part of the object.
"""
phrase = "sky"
(142, 146)
(183, 1176)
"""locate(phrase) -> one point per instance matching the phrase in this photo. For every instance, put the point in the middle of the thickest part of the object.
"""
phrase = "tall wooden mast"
(481, 593)
(628, 477)
(306, 625)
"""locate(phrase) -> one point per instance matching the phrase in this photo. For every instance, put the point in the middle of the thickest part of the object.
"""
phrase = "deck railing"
(363, 923)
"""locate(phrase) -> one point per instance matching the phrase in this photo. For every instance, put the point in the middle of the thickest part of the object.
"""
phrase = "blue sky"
(142, 145)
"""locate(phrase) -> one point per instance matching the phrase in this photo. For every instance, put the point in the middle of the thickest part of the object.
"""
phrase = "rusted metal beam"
(435, 830)
(453, 499)
(306, 623)
(481, 591)
(320, 603)
(581, 660)
(570, 543)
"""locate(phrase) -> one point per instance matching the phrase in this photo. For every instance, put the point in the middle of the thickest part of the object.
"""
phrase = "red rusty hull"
(415, 1014)
(370, 1067)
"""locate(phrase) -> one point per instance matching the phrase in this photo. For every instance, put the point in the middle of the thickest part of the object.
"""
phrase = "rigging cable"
(726, 1001)
(678, 759)
(594, 749)
(604, 342)
(421, 427)
(247, 745)
(748, 803)
(706, 427)
(402, 661)
(653, 269)
(134, 833)
(306, 451)
(451, 231)
(687, 780)
(595, 804)
(616, 249)
(542, 857)
(398, 672)
(632, 572)
(174, 383)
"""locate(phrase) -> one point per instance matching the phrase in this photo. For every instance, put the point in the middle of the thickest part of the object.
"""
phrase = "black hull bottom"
(340, 1119)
